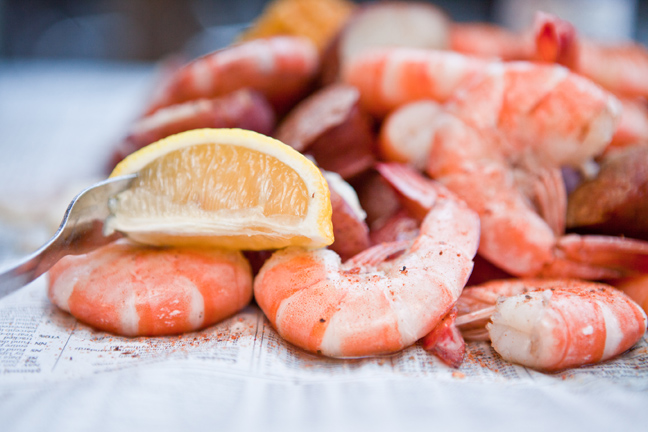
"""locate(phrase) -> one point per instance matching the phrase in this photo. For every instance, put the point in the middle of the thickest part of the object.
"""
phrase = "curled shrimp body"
(556, 324)
(620, 68)
(543, 109)
(499, 145)
(281, 68)
(136, 290)
(380, 301)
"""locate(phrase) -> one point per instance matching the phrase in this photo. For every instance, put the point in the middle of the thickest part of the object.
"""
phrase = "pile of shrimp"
(448, 169)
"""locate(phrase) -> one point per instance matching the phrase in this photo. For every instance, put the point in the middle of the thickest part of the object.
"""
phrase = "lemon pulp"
(214, 194)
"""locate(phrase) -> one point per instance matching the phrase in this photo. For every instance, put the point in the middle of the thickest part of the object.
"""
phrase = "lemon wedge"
(228, 188)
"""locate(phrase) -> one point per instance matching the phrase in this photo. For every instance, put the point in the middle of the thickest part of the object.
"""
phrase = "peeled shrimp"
(555, 324)
(499, 144)
(281, 68)
(558, 116)
(136, 290)
(620, 68)
(380, 301)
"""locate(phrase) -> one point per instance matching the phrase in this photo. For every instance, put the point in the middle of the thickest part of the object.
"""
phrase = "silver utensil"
(80, 232)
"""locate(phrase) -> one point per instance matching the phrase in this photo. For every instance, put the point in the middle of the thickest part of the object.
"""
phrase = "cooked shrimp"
(243, 109)
(621, 68)
(499, 144)
(281, 68)
(556, 324)
(491, 41)
(136, 290)
(518, 236)
(380, 301)
(390, 77)
(545, 109)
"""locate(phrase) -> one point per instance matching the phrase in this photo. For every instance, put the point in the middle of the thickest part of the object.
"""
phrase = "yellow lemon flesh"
(226, 188)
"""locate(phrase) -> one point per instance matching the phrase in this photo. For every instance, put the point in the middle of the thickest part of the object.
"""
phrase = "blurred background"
(147, 30)
(74, 74)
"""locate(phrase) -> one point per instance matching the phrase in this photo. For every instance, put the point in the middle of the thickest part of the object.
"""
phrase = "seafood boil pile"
(372, 188)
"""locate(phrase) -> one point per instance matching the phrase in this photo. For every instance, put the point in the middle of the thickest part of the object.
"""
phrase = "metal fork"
(80, 232)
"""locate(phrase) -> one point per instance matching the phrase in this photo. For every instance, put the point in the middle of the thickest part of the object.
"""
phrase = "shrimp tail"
(399, 226)
(550, 196)
(377, 254)
(417, 193)
(477, 303)
(556, 40)
(446, 342)
(620, 67)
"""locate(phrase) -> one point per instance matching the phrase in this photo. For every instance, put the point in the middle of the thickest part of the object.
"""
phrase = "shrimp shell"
(136, 290)
(567, 327)
(281, 68)
(381, 300)
(554, 324)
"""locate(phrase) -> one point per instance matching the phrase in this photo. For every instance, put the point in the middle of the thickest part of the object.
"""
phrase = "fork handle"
(27, 270)
(85, 238)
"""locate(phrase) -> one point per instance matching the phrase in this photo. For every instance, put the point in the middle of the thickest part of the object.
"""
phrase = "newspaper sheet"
(49, 360)
(40, 343)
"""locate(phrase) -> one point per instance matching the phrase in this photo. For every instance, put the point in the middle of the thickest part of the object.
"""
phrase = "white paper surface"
(41, 344)
(57, 124)
(241, 369)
